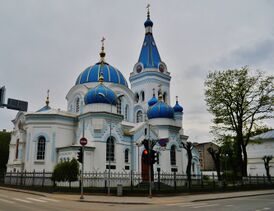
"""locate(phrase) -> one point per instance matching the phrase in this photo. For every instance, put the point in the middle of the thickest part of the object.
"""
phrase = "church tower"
(149, 74)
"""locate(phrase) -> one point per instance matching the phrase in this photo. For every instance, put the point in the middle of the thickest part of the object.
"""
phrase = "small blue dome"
(101, 94)
(152, 101)
(160, 110)
(177, 107)
(92, 74)
(148, 22)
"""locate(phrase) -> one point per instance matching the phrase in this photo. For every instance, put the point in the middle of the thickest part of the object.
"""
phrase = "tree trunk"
(188, 169)
(244, 164)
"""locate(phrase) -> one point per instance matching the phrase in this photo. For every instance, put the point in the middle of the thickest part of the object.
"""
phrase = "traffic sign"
(83, 141)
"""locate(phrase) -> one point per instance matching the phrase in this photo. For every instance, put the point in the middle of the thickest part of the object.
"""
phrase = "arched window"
(119, 110)
(173, 155)
(143, 95)
(41, 146)
(165, 97)
(139, 116)
(126, 113)
(137, 97)
(77, 104)
(126, 155)
(110, 149)
(17, 149)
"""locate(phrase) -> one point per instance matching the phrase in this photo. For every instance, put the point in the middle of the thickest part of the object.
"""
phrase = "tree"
(4, 151)
(216, 156)
(66, 171)
(238, 102)
(188, 146)
(266, 160)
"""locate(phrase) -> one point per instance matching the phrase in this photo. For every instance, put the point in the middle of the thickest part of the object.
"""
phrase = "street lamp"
(108, 144)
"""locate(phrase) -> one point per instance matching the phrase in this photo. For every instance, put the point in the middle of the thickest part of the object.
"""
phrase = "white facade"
(43, 138)
(260, 146)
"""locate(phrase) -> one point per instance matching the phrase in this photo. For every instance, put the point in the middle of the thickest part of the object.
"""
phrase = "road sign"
(17, 104)
(83, 141)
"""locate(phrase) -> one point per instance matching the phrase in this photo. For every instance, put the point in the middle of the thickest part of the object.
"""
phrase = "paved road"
(10, 200)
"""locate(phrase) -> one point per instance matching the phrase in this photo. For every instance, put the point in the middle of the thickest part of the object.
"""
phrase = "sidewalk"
(159, 200)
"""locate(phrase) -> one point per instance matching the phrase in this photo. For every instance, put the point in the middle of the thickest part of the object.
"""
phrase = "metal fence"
(136, 181)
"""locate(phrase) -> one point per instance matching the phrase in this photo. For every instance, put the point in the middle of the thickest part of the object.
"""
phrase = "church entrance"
(145, 168)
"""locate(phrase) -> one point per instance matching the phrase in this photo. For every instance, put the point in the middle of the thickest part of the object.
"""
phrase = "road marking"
(208, 205)
(266, 208)
(48, 199)
(229, 205)
(22, 200)
(191, 204)
(38, 200)
(4, 200)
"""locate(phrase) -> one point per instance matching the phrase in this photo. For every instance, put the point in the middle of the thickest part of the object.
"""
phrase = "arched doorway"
(145, 167)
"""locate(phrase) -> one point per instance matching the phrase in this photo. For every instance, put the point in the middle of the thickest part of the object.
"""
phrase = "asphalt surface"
(13, 200)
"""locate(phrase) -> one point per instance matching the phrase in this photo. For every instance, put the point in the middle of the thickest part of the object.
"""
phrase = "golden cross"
(148, 6)
(103, 39)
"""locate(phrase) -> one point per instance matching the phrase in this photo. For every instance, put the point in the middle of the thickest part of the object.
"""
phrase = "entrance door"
(145, 169)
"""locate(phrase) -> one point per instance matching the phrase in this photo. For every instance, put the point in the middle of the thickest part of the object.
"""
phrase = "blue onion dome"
(92, 73)
(177, 107)
(153, 100)
(101, 94)
(160, 109)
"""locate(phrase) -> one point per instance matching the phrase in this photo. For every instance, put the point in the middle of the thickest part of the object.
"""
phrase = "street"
(12, 200)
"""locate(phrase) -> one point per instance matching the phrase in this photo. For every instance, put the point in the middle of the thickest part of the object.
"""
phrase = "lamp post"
(109, 144)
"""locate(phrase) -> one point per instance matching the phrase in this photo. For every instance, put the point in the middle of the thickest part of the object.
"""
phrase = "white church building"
(114, 117)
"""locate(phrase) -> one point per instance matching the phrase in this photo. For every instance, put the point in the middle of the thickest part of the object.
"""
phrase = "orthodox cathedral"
(113, 117)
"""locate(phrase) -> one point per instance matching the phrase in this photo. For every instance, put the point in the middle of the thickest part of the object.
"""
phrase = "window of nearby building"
(143, 95)
(17, 149)
(110, 149)
(139, 116)
(41, 146)
(126, 155)
(173, 155)
(77, 104)
(119, 105)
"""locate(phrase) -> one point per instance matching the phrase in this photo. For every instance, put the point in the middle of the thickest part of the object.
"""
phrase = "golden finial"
(176, 99)
(160, 95)
(101, 78)
(102, 53)
(47, 100)
(148, 14)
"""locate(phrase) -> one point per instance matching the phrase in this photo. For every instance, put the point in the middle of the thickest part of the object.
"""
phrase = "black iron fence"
(134, 181)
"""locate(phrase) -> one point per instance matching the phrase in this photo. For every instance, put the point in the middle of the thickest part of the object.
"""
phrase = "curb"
(231, 197)
(22, 191)
(113, 202)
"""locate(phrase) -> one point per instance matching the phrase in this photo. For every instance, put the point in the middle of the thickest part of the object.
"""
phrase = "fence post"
(17, 173)
(10, 176)
(264, 179)
(213, 178)
(174, 178)
(250, 182)
(25, 177)
(131, 179)
(257, 177)
(33, 177)
(43, 179)
(21, 178)
(202, 182)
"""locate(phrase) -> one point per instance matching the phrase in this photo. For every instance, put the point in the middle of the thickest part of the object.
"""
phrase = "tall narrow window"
(41, 146)
(173, 155)
(136, 97)
(126, 113)
(17, 149)
(119, 110)
(139, 116)
(143, 95)
(126, 155)
(110, 149)
(77, 104)
(165, 97)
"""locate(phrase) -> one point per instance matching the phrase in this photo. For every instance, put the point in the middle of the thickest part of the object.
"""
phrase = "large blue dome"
(160, 110)
(152, 101)
(92, 74)
(100, 94)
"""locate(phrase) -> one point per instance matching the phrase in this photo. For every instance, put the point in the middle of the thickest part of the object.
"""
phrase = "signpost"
(83, 142)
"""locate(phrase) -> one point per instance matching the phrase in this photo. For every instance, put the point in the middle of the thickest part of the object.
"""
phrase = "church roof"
(266, 135)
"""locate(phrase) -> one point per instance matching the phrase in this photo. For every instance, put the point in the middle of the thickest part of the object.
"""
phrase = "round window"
(161, 68)
(139, 68)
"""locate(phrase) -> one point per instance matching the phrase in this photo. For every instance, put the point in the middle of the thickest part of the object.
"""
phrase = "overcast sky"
(46, 44)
